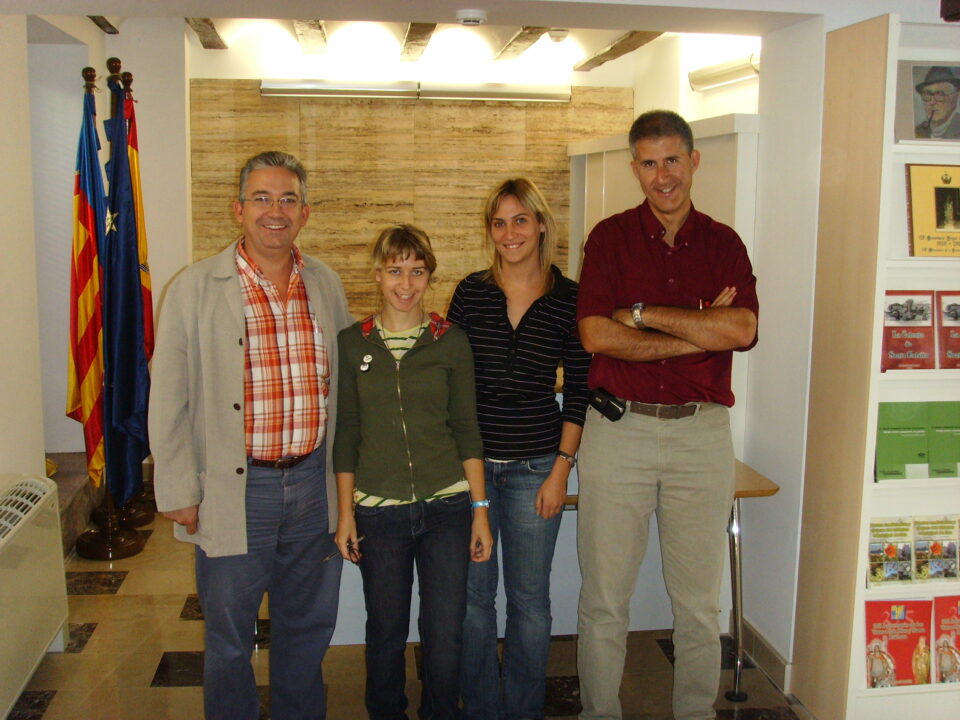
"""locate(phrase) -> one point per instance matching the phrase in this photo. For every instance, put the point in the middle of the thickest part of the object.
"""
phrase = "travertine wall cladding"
(372, 163)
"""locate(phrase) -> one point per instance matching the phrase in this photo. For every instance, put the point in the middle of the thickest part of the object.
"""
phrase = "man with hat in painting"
(939, 92)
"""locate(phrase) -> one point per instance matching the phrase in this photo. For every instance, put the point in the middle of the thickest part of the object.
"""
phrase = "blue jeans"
(436, 537)
(287, 539)
(526, 544)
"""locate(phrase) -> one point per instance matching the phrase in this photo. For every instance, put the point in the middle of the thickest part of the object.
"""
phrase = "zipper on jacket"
(403, 425)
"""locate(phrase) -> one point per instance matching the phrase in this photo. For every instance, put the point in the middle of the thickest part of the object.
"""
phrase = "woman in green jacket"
(409, 468)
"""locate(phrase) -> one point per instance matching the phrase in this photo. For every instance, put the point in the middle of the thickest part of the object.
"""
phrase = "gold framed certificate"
(933, 210)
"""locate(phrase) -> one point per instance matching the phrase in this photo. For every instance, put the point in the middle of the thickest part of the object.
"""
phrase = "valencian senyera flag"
(126, 385)
(85, 361)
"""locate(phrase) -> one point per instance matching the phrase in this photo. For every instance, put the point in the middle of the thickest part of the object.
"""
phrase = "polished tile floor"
(136, 653)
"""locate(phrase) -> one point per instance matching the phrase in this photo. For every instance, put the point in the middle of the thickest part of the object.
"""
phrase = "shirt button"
(663, 362)
(670, 281)
(236, 406)
(239, 471)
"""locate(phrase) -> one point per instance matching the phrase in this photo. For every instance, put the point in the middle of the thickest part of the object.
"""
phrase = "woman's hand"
(553, 491)
(346, 538)
(481, 540)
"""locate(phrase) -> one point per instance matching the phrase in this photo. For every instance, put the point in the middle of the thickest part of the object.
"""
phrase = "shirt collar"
(653, 229)
(247, 263)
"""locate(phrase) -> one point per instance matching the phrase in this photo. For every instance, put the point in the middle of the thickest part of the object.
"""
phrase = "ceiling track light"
(416, 90)
(725, 73)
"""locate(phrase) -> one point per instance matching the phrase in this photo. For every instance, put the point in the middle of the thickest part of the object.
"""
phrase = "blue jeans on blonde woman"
(527, 542)
(434, 536)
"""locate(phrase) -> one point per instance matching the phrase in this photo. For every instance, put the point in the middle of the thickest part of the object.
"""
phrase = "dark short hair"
(274, 158)
(660, 123)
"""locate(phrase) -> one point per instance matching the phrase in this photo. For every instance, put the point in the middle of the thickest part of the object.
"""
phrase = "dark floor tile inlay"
(79, 635)
(775, 713)
(31, 705)
(728, 653)
(191, 608)
(95, 582)
(563, 696)
(179, 669)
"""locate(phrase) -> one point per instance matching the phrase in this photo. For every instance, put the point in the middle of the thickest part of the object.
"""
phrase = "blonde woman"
(408, 462)
(519, 314)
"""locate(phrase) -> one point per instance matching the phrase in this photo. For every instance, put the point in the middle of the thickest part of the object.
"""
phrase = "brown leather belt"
(284, 463)
(664, 412)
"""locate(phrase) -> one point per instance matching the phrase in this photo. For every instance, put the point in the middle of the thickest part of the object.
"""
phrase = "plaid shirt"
(286, 370)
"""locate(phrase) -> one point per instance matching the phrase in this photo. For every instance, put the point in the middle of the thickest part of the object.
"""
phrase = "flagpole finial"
(89, 79)
(126, 79)
(113, 65)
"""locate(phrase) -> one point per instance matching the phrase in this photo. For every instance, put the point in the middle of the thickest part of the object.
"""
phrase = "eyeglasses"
(265, 202)
(939, 95)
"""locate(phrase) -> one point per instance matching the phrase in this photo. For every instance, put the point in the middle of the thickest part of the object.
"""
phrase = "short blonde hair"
(528, 195)
(403, 241)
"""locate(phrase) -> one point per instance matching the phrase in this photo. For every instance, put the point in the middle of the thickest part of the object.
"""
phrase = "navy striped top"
(516, 369)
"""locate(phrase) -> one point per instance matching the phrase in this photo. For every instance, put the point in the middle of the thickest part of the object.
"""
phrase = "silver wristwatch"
(637, 312)
(568, 457)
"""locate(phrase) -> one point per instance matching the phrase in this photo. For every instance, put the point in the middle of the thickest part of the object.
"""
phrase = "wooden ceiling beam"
(619, 47)
(416, 40)
(207, 33)
(311, 34)
(521, 40)
(101, 22)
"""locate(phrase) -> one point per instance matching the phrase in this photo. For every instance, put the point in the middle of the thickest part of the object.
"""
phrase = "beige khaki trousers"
(682, 470)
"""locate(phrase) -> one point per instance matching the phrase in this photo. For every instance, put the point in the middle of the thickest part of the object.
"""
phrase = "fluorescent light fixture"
(725, 73)
(495, 91)
(353, 89)
(413, 89)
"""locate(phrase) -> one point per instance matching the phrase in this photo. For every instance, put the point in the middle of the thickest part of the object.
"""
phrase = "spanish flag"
(85, 362)
(146, 293)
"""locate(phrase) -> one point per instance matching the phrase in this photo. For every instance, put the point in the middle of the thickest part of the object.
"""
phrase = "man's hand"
(189, 517)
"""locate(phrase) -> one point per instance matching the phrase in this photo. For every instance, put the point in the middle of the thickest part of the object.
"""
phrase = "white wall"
(154, 51)
(790, 108)
(661, 68)
(21, 414)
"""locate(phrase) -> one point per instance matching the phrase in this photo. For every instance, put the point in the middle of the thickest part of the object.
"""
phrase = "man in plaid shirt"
(241, 413)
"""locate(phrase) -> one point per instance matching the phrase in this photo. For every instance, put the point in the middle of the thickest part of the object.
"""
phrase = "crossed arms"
(671, 331)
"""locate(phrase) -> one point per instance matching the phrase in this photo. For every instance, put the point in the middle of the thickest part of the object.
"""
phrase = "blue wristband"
(480, 503)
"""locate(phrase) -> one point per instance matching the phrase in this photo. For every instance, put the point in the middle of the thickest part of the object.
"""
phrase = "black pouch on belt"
(610, 406)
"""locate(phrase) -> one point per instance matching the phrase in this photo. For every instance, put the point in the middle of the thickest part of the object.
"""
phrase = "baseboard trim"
(766, 658)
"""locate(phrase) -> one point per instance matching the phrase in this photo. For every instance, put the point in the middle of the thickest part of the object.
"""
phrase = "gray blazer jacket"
(196, 395)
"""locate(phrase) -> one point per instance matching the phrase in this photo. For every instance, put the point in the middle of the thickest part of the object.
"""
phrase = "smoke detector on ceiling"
(471, 17)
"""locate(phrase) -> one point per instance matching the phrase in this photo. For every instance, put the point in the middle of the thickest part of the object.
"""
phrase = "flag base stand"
(108, 543)
(132, 515)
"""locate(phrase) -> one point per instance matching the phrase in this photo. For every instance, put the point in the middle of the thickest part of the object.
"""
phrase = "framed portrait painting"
(928, 102)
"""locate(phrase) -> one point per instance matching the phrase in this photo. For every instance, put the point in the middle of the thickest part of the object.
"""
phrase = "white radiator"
(33, 595)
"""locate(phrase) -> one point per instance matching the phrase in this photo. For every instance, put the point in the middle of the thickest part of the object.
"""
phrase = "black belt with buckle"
(664, 412)
(284, 463)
